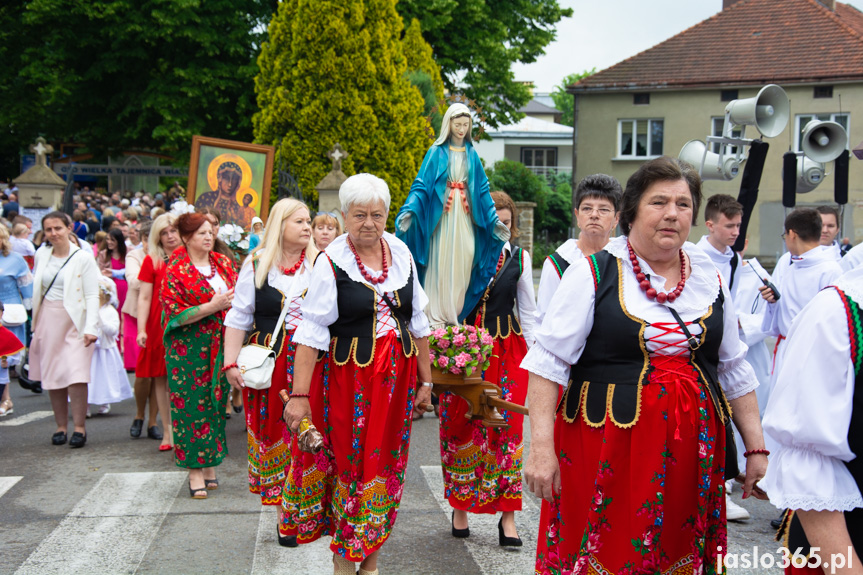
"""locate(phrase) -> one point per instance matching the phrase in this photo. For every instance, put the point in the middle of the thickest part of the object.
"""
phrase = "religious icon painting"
(232, 178)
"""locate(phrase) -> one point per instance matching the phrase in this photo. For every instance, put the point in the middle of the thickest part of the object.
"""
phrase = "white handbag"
(256, 362)
(14, 315)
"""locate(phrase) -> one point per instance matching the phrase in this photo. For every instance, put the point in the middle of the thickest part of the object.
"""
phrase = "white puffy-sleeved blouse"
(561, 338)
(320, 309)
(549, 279)
(810, 408)
(242, 313)
(525, 298)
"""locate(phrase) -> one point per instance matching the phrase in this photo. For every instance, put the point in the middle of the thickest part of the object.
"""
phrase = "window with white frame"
(716, 124)
(843, 119)
(639, 138)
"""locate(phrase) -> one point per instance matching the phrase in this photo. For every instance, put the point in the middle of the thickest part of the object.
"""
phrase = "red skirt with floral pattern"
(644, 499)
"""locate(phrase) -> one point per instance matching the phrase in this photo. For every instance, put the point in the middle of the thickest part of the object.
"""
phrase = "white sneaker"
(88, 415)
(729, 487)
(734, 512)
(104, 409)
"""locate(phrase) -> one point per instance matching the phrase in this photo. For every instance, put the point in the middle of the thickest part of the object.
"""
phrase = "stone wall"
(525, 225)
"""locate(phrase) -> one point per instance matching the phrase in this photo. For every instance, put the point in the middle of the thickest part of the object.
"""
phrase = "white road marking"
(6, 483)
(482, 543)
(273, 559)
(13, 420)
(110, 529)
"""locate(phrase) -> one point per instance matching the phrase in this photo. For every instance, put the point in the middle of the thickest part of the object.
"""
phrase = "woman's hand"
(142, 339)
(542, 471)
(89, 339)
(423, 398)
(235, 378)
(222, 301)
(756, 467)
(296, 409)
(106, 272)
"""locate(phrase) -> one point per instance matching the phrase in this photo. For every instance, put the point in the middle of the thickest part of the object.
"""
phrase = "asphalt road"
(120, 506)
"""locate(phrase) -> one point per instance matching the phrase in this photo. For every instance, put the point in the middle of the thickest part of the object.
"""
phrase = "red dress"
(151, 359)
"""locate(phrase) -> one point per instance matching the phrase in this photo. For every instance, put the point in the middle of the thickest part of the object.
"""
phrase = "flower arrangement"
(180, 207)
(235, 236)
(460, 349)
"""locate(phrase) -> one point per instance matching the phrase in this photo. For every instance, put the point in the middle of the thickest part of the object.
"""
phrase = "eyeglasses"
(601, 211)
(783, 236)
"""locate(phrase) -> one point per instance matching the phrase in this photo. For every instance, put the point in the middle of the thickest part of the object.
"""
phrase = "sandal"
(6, 407)
(211, 484)
(193, 493)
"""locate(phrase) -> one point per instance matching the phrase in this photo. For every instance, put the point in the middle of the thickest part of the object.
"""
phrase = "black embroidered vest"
(795, 537)
(559, 262)
(268, 306)
(611, 362)
(497, 306)
(354, 332)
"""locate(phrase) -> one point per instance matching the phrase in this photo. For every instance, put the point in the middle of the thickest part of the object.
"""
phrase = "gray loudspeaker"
(693, 152)
(809, 174)
(768, 111)
(823, 141)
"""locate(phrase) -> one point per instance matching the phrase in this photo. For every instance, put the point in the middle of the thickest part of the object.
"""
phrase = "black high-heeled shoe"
(287, 540)
(460, 533)
(505, 541)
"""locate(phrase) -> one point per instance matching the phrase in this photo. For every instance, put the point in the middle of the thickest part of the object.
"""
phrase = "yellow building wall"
(687, 115)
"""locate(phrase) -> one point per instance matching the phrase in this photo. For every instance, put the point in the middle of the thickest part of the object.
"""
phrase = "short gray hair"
(363, 189)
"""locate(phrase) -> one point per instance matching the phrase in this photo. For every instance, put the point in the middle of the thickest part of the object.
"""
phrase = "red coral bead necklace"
(293, 269)
(212, 268)
(644, 283)
(368, 277)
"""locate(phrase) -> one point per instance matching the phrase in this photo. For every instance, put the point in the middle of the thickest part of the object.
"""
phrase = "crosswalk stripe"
(110, 529)
(6, 483)
(273, 559)
(482, 543)
(12, 421)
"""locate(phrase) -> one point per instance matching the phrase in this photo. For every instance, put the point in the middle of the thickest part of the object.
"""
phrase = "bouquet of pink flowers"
(460, 349)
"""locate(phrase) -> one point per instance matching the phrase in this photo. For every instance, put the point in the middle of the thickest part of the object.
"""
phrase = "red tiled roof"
(753, 42)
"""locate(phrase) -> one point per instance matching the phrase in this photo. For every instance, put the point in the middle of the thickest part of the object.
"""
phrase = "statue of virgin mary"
(450, 225)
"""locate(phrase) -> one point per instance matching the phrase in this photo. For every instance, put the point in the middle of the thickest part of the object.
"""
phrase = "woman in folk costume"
(274, 279)
(815, 417)
(449, 223)
(199, 288)
(365, 306)
(632, 465)
(482, 466)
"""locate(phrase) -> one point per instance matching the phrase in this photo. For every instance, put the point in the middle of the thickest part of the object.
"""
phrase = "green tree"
(522, 185)
(420, 56)
(563, 100)
(351, 88)
(117, 75)
(475, 42)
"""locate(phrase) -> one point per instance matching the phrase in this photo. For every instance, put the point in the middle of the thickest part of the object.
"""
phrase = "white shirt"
(320, 309)
(52, 270)
(809, 411)
(853, 259)
(22, 246)
(216, 282)
(833, 251)
(798, 279)
(525, 306)
(561, 339)
(549, 279)
(722, 261)
(242, 313)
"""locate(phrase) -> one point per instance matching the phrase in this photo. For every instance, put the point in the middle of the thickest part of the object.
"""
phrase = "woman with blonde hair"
(163, 240)
(274, 278)
(16, 288)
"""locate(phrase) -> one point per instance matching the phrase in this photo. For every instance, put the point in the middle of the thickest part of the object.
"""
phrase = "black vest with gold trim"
(793, 530)
(354, 332)
(268, 307)
(606, 381)
(497, 306)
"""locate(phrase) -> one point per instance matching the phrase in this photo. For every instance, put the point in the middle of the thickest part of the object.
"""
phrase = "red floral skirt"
(352, 488)
(482, 466)
(646, 499)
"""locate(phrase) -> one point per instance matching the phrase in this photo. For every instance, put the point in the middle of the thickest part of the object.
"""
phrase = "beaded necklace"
(293, 269)
(368, 277)
(212, 268)
(644, 283)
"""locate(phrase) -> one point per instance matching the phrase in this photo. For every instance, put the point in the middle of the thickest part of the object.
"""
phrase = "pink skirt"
(57, 357)
(130, 342)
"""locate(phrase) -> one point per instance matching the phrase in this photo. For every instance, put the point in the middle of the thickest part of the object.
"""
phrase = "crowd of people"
(642, 357)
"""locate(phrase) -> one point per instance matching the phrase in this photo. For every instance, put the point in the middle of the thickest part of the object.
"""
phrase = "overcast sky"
(604, 32)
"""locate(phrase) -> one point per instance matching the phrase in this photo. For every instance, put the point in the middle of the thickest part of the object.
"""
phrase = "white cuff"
(805, 479)
(737, 378)
(312, 334)
(545, 364)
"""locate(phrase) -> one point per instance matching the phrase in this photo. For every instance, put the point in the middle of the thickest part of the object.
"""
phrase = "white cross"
(41, 150)
(337, 154)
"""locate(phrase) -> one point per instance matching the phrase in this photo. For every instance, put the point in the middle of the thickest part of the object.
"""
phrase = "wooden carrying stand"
(482, 397)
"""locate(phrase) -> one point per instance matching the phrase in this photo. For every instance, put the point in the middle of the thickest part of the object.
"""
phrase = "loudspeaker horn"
(768, 111)
(809, 174)
(823, 141)
(693, 152)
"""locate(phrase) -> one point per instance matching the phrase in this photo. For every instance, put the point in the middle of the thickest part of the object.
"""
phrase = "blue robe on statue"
(425, 203)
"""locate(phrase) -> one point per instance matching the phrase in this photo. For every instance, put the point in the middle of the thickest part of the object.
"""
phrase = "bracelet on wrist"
(756, 452)
(229, 367)
(427, 384)
(306, 395)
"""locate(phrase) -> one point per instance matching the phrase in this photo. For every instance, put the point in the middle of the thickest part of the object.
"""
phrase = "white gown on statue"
(108, 380)
(451, 252)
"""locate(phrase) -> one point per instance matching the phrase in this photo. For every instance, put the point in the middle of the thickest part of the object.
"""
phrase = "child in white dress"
(108, 380)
